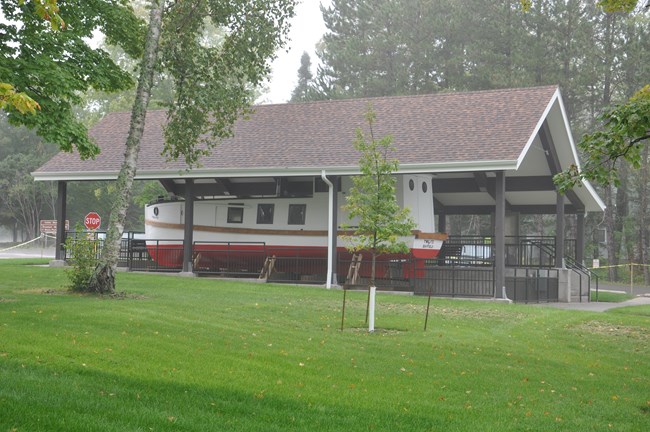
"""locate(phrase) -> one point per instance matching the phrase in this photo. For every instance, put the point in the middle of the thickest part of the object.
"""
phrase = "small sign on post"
(92, 221)
(48, 226)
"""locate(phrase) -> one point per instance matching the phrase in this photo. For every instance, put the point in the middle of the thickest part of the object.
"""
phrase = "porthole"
(424, 187)
(411, 184)
(155, 211)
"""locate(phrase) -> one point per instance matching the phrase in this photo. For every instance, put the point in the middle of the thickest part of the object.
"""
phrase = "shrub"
(82, 259)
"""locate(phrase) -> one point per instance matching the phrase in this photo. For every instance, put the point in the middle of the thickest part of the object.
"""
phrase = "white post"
(330, 214)
(371, 310)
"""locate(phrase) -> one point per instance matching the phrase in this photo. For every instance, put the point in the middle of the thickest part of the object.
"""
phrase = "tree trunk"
(372, 269)
(612, 244)
(642, 214)
(621, 213)
(103, 279)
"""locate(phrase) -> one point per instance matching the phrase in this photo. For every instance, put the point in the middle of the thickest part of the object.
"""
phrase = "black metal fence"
(455, 281)
(229, 258)
(532, 285)
(152, 255)
(464, 268)
(530, 252)
(96, 237)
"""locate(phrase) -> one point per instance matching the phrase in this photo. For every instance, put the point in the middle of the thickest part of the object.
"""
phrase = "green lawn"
(610, 297)
(188, 354)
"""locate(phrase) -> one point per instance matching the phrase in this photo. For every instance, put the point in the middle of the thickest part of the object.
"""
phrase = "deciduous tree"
(46, 57)
(372, 202)
(213, 85)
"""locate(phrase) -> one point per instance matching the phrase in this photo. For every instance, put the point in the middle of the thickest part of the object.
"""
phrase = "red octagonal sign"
(92, 221)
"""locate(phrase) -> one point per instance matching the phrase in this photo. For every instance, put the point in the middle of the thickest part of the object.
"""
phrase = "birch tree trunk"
(612, 243)
(103, 279)
(642, 214)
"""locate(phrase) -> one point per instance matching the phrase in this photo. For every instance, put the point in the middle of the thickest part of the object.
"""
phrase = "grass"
(610, 297)
(186, 354)
(623, 275)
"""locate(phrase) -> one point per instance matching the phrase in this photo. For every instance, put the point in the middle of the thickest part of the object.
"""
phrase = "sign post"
(92, 221)
(48, 226)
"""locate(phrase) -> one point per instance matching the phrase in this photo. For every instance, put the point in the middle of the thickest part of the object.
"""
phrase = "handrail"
(579, 267)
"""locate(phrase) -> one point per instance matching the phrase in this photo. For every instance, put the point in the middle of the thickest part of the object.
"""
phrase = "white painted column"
(331, 231)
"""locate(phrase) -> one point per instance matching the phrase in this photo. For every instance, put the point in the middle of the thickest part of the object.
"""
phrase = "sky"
(307, 28)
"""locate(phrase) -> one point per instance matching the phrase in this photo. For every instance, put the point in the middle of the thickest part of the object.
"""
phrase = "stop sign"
(92, 221)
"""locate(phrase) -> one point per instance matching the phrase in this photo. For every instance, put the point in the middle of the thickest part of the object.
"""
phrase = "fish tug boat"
(253, 219)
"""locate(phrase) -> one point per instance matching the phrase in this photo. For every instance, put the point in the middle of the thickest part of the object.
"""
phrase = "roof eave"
(452, 167)
(74, 176)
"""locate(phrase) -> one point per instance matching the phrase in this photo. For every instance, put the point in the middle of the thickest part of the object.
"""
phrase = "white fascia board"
(248, 173)
(540, 122)
(565, 118)
(457, 167)
(594, 194)
(452, 167)
(74, 176)
(500, 165)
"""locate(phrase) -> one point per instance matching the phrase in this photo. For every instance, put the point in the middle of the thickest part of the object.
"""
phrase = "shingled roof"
(439, 130)
(442, 133)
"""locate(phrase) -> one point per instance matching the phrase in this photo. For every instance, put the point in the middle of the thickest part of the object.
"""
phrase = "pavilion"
(491, 152)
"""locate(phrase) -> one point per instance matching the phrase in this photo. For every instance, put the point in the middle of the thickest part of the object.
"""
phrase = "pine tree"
(302, 90)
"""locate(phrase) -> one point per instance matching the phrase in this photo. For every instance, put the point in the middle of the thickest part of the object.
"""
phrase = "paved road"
(636, 290)
(27, 252)
(600, 306)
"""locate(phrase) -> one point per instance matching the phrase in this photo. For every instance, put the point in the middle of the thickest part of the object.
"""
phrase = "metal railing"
(228, 258)
(96, 237)
(467, 250)
(464, 268)
(154, 255)
(530, 252)
(392, 272)
(295, 267)
(582, 272)
(532, 285)
(453, 280)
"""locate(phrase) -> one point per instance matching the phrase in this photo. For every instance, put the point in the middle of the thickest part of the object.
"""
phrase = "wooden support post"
(59, 252)
(559, 232)
(499, 236)
(188, 240)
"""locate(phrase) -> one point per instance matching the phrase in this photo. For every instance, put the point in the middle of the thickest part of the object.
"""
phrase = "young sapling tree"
(372, 203)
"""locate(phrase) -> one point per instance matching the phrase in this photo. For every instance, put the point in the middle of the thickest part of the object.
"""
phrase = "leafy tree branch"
(626, 129)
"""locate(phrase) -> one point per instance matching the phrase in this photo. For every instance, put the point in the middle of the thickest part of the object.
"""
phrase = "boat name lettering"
(429, 244)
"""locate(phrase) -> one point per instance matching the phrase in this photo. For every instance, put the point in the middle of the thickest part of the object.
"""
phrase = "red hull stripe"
(171, 255)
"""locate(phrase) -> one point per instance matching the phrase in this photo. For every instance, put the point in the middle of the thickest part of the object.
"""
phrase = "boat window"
(411, 184)
(297, 214)
(265, 213)
(424, 187)
(235, 214)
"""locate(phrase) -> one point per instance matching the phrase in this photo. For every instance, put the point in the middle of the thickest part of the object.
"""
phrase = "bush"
(83, 259)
